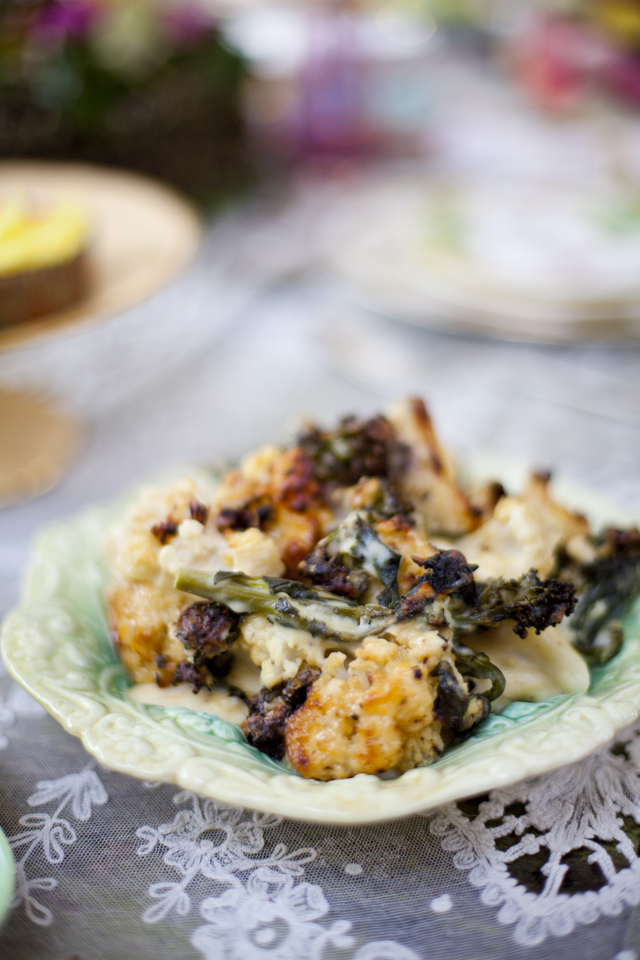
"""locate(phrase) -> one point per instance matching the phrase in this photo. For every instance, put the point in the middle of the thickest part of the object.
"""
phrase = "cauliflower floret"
(132, 548)
(279, 651)
(251, 552)
(140, 614)
(194, 546)
(429, 481)
(524, 532)
(240, 486)
(377, 715)
(157, 536)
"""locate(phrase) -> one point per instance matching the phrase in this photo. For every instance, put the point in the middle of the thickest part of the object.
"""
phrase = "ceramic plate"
(453, 254)
(7, 876)
(56, 644)
(143, 234)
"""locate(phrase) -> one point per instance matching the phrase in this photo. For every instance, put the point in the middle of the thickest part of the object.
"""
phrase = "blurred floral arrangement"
(565, 55)
(146, 85)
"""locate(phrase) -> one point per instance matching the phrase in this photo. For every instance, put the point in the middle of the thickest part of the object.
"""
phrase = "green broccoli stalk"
(288, 603)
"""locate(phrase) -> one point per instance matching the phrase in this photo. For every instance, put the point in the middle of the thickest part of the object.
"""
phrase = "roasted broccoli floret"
(207, 631)
(447, 571)
(265, 724)
(528, 601)
(187, 672)
(333, 574)
(355, 449)
(606, 585)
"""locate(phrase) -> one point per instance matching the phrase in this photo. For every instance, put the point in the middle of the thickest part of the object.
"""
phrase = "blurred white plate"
(521, 260)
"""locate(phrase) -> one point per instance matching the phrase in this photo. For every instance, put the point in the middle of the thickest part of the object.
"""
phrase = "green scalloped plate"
(56, 645)
(7, 876)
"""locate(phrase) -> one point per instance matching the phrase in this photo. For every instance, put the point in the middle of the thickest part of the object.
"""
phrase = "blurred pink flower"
(66, 18)
(623, 78)
(187, 24)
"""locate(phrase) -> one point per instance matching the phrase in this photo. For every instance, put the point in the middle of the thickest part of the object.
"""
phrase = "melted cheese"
(220, 703)
(535, 668)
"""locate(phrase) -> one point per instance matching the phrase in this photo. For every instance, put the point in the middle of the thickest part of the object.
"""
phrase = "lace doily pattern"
(557, 852)
(263, 909)
(51, 833)
(517, 870)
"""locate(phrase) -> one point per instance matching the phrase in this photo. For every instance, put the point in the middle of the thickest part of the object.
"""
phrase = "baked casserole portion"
(360, 607)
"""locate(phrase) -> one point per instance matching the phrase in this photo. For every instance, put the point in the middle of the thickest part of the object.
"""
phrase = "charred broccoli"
(447, 571)
(265, 724)
(332, 573)
(529, 602)
(207, 631)
(606, 585)
(355, 449)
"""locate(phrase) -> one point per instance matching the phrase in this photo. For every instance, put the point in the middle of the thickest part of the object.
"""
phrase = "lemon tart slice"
(44, 262)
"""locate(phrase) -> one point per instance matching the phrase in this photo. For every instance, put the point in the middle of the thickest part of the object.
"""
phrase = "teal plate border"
(7, 876)
(56, 645)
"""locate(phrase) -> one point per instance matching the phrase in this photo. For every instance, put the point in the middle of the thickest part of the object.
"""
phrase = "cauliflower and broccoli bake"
(358, 607)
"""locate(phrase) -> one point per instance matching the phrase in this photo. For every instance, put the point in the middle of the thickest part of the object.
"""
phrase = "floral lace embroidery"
(235, 836)
(554, 852)
(273, 918)
(52, 833)
(269, 915)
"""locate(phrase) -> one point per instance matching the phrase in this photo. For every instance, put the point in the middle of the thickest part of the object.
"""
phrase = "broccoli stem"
(288, 603)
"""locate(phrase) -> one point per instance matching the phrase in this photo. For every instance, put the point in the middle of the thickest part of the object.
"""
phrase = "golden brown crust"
(429, 481)
(379, 718)
(139, 615)
(392, 702)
